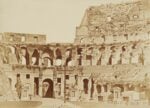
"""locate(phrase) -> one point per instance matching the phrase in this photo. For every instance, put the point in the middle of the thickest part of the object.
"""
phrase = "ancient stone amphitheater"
(109, 59)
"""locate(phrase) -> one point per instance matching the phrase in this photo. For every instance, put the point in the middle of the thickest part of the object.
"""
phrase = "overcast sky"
(55, 18)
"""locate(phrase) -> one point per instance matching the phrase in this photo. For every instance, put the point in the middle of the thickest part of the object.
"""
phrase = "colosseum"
(108, 61)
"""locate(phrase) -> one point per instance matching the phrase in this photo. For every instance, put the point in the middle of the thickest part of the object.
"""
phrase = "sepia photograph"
(74, 53)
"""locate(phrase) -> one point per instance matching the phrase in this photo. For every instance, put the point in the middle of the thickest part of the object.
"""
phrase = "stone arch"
(58, 57)
(82, 40)
(98, 87)
(47, 57)
(89, 56)
(135, 54)
(47, 61)
(25, 56)
(13, 55)
(121, 86)
(12, 49)
(79, 53)
(85, 85)
(47, 88)
(69, 57)
(115, 55)
(35, 57)
(49, 52)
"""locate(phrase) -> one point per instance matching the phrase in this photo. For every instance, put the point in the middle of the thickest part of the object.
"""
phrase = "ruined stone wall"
(20, 38)
(113, 23)
(75, 55)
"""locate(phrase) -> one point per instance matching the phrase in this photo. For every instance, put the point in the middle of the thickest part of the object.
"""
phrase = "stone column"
(125, 87)
(95, 94)
(108, 88)
(89, 89)
(62, 86)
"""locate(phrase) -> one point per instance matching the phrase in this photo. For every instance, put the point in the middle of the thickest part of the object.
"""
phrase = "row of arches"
(114, 55)
(98, 55)
(46, 57)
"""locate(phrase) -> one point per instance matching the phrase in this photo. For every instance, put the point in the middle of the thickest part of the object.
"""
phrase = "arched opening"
(98, 88)
(47, 57)
(58, 57)
(89, 56)
(104, 38)
(36, 86)
(13, 55)
(47, 88)
(113, 57)
(82, 40)
(102, 58)
(35, 57)
(25, 56)
(12, 49)
(135, 54)
(48, 62)
(120, 86)
(79, 52)
(69, 57)
(85, 85)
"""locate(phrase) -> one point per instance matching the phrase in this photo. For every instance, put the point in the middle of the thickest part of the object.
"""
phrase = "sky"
(57, 19)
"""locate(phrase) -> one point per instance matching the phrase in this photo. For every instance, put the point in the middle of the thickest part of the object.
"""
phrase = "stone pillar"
(62, 86)
(108, 87)
(95, 93)
(102, 89)
(135, 56)
(89, 89)
(125, 87)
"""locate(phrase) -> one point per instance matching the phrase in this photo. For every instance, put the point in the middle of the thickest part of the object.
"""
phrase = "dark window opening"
(36, 39)
(85, 85)
(58, 80)
(27, 58)
(28, 76)
(36, 86)
(98, 88)
(123, 48)
(79, 51)
(18, 75)
(102, 48)
(103, 37)
(76, 79)
(88, 57)
(136, 34)
(80, 61)
(36, 55)
(115, 37)
(49, 52)
(67, 60)
(126, 36)
(67, 77)
(58, 54)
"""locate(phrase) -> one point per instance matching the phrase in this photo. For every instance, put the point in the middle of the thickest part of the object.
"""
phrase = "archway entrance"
(85, 85)
(48, 88)
(98, 88)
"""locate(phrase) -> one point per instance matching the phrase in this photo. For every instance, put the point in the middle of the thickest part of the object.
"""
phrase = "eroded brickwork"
(110, 55)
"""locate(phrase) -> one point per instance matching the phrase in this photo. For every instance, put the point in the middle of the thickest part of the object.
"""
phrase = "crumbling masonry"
(110, 56)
